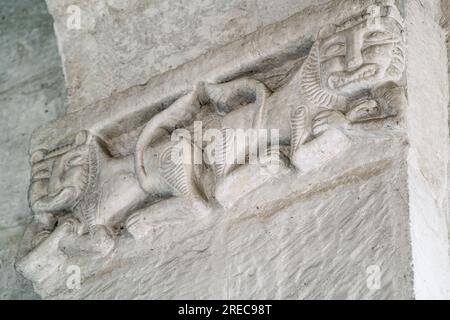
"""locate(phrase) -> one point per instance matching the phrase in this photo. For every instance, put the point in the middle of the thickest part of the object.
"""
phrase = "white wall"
(31, 94)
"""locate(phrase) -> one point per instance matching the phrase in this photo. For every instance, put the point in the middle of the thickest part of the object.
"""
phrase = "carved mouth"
(342, 79)
(63, 200)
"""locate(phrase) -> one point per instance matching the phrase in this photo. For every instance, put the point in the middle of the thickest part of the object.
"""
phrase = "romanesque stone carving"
(77, 184)
(350, 76)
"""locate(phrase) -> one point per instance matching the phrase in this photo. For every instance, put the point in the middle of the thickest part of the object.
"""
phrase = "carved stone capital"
(253, 131)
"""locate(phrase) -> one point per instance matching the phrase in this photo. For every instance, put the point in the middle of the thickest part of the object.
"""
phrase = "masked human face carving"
(59, 183)
(361, 57)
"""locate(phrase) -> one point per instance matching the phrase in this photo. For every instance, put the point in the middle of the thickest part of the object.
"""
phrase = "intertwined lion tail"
(181, 111)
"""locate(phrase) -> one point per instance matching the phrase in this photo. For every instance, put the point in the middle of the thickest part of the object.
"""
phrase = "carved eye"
(335, 50)
(378, 36)
(41, 171)
(41, 174)
(75, 161)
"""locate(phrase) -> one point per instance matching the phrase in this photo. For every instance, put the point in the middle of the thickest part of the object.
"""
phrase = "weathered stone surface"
(305, 236)
(31, 94)
(123, 44)
(344, 201)
(427, 175)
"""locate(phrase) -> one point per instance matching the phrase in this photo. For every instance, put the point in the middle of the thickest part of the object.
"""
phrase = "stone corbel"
(86, 195)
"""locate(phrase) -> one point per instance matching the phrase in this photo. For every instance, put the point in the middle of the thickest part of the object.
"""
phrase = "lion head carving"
(364, 52)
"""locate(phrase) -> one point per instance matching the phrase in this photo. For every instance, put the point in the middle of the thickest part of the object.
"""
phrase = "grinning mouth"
(341, 79)
(61, 201)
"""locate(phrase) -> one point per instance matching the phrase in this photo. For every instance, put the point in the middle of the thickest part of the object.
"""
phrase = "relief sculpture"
(350, 76)
(83, 198)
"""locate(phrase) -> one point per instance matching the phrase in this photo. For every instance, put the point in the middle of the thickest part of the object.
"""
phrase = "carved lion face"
(361, 57)
(59, 183)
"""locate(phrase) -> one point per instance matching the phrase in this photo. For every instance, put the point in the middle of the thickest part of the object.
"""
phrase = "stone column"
(427, 182)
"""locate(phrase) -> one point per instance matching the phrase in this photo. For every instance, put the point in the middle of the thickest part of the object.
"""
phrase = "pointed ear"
(37, 156)
(81, 138)
(327, 31)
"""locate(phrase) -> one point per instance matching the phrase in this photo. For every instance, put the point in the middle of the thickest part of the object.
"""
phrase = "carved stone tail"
(181, 111)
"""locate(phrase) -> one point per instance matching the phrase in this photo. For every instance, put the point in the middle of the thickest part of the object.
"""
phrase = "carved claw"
(391, 98)
(41, 236)
(44, 259)
(365, 111)
(98, 243)
(326, 119)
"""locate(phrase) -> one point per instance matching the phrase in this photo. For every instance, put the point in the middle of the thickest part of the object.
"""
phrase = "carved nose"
(354, 58)
(354, 63)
